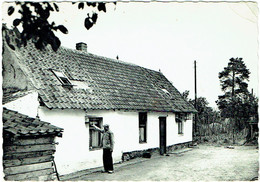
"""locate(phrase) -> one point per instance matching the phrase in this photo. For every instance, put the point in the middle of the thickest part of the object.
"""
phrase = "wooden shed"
(28, 147)
(253, 132)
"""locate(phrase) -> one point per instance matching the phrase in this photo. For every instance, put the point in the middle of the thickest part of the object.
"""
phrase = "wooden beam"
(20, 156)
(49, 177)
(33, 141)
(28, 148)
(27, 168)
(24, 176)
(25, 161)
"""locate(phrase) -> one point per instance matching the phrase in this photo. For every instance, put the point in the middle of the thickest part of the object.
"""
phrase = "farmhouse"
(74, 89)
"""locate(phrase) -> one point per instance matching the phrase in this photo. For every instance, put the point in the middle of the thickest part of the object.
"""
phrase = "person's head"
(106, 127)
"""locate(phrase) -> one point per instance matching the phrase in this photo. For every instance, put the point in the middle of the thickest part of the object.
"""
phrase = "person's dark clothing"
(107, 140)
(107, 160)
(108, 146)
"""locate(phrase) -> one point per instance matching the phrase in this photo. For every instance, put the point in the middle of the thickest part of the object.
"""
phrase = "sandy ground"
(206, 163)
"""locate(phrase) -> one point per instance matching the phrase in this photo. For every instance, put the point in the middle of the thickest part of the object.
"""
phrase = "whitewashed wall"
(73, 152)
(27, 104)
(172, 131)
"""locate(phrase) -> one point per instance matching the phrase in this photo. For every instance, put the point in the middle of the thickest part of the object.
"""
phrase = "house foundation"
(126, 156)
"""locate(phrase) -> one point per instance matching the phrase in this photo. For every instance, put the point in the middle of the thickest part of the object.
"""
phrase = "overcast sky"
(169, 37)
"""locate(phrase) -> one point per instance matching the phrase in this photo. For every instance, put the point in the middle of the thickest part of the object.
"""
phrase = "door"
(162, 127)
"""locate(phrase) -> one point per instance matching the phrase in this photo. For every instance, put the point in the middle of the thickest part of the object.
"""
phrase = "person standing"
(107, 143)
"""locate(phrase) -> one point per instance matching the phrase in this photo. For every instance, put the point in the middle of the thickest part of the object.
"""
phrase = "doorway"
(162, 128)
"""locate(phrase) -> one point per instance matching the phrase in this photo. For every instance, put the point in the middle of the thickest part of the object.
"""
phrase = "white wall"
(27, 104)
(125, 127)
(172, 131)
(73, 154)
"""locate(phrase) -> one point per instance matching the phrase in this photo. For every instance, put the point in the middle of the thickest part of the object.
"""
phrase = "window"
(184, 116)
(180, 118)
(62, 78)
(65, 81)
(189, 116)
(167, 93)
(142, 127)
(180, 125)
(94, 135)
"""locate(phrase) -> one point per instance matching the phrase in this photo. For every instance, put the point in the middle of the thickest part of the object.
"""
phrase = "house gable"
(26, 102)
(13, 73)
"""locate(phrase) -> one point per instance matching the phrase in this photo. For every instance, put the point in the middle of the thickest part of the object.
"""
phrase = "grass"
(223, 139)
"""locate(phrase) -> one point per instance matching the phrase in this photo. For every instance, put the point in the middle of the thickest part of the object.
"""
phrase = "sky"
(169, 37)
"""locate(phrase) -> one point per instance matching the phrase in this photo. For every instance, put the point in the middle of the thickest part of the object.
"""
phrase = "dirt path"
(206, 163)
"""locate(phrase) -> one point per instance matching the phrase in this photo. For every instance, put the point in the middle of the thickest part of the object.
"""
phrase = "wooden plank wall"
(29, 159)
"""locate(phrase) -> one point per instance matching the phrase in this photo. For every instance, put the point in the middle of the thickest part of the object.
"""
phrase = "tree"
(236, 103)
(206, 114)
(35, 24)
(185, 95)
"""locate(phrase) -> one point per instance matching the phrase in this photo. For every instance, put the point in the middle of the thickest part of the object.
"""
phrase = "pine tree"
(234, 104)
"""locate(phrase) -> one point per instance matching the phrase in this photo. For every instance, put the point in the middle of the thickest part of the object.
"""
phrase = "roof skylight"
(62, 78)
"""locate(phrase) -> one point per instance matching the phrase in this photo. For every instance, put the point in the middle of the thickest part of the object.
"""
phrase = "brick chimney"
(81, 46)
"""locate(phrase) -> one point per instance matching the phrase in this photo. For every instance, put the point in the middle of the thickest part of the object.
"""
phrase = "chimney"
(81, 46)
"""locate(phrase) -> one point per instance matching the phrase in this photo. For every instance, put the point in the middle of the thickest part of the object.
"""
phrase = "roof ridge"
(103, 57)
(114, 84)
(8, 96)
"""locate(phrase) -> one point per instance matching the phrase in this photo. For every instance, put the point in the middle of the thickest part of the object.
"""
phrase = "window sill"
(94, 149)
(142, 142)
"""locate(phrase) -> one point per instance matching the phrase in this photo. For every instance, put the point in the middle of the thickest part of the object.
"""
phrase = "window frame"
(180, 126)
(62, 77)
(184, 116)
(142, 124)
(190, 116)
(91, 130)
(180, 118)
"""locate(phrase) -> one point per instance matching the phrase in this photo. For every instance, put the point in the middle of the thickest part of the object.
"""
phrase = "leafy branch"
(36, 27)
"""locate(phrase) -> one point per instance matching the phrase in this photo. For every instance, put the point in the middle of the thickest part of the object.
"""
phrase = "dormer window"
(166, 93)
(62, 78)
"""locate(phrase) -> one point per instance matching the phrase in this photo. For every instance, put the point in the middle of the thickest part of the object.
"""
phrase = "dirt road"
(206, 163)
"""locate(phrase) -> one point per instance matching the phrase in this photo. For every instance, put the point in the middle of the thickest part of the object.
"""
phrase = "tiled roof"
(10, 95)
(112, 84)
(22, 125)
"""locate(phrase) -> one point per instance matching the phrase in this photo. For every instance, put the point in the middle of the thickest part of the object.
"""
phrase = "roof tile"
(114, 84)
(26, 125)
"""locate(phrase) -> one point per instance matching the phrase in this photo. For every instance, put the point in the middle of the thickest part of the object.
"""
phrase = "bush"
(205, 140)
(226, 141)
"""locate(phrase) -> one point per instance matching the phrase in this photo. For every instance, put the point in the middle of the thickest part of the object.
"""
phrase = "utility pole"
(195, 104)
